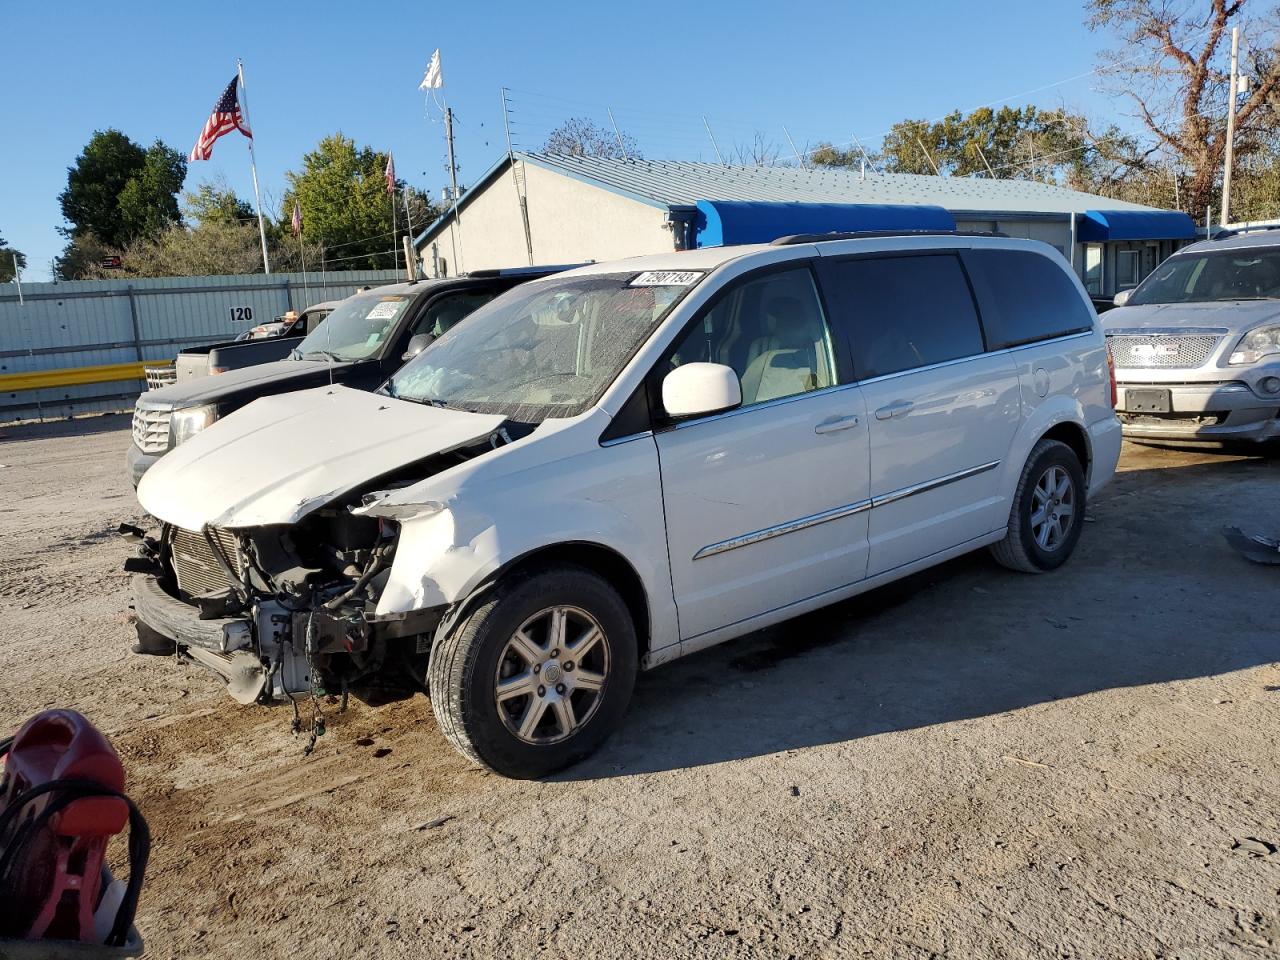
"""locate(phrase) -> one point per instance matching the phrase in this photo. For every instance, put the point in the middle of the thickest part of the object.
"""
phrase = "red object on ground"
(59, 884)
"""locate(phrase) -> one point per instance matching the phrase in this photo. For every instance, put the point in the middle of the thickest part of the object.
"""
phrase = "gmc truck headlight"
(1256, 344)
(185, 424)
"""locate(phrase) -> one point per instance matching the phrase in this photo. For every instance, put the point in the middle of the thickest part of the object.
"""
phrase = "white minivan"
(618, 465)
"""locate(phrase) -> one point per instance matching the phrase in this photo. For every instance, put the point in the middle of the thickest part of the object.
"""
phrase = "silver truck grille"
(151, 430)
(196, 568)
(1165, 351)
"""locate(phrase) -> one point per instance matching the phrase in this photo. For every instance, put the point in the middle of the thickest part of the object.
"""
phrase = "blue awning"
(724, 222)
(1099, 225)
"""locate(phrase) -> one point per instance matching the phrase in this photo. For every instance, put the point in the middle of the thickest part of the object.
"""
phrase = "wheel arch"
(1075, 437)
(607, 562)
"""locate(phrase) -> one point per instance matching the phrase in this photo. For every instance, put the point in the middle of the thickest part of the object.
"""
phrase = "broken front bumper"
(1216, 412)
(218, 645)
(271, 653)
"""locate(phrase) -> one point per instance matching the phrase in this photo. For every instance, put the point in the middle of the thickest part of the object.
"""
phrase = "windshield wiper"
(323, 353)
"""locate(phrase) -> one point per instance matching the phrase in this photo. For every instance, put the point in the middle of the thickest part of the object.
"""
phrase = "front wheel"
(538, 675)
(1047, 513)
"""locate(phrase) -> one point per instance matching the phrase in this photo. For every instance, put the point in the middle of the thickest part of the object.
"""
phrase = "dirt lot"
(973, 763)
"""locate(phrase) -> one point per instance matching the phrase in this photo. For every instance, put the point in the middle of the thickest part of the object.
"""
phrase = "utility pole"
(1231, 126)
(715, 146)
(453, 185)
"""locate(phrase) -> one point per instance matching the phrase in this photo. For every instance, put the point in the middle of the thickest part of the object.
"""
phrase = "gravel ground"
(972, 763)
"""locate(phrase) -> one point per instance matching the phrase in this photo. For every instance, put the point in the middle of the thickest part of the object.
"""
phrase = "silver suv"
(1196, 345)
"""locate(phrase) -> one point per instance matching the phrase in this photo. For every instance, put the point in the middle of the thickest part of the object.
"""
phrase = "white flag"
(434, 78)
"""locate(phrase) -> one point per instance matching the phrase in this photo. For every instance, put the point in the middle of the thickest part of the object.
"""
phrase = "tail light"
(1111, 372)
(213, 370)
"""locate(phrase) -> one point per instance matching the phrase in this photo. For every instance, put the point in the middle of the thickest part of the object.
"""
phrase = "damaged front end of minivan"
(286, 610)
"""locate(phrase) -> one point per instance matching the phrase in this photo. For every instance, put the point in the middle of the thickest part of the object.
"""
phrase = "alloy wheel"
(1053, 508)
(551, 674)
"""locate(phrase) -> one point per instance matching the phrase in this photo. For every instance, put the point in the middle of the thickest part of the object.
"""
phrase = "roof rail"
(872, 234)
(1225, 233)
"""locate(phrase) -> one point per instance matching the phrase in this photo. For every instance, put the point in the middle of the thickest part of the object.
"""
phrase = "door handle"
(836, 424)
(899, 408)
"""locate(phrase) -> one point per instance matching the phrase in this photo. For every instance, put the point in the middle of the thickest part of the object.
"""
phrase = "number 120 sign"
(242, 314)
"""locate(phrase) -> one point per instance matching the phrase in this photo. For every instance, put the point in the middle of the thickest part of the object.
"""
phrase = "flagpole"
(253, 165)
(395, 241)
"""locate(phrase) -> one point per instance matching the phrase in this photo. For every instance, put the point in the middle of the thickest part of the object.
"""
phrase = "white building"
(541, 209)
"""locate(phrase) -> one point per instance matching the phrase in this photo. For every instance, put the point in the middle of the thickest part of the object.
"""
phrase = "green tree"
(116, 191)
(212, 247)
(7, 255)
(345, 208)
(149, 201)
(82, 257)
(216, 203)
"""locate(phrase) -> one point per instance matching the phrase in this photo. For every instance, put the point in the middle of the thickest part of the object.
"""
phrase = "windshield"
(357, 328)
(1213, 277)
(544, 349)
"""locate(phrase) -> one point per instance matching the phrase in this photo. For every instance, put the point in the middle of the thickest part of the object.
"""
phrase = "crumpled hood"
(281, 457)
(1234, 316)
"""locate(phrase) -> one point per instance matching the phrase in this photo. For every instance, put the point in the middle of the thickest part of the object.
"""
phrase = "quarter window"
(906, 312)
(771, 331)
(1025, 297)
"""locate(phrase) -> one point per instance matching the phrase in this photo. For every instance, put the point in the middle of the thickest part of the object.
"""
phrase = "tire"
(1026, 548)
(511, 638)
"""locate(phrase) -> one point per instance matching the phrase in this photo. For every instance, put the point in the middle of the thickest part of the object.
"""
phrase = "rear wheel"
(538, 675)
(1047, 513)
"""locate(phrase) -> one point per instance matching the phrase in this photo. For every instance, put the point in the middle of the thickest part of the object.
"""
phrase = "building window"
(1093, 268)
(1126, 269)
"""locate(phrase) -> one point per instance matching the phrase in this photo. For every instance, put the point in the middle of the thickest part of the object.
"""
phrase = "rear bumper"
(1105, 441)
(1219, 412)
(139, 462)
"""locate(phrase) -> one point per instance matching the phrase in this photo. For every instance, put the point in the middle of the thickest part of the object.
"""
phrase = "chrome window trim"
(927, 485)
(768, 533)
(839, 513)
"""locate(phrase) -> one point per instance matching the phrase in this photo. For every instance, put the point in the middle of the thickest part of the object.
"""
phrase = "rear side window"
(904, 312)
(1025, 297)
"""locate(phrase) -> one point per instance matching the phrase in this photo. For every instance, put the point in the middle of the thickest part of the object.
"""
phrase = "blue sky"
(824, 70)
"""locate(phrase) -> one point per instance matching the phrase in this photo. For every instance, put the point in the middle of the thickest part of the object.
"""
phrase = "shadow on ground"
(1154, 594)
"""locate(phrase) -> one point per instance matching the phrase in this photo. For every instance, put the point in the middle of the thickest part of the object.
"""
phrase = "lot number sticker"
(242, 314)
(384, 310)
(667, 278)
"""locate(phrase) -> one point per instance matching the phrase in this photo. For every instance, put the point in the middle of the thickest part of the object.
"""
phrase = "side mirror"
(1121, 298)
(417, 344)
(698, 389)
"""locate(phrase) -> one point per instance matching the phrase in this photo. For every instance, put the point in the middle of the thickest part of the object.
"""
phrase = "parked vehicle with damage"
(361, 343)
(1197, 344)
(604, 470)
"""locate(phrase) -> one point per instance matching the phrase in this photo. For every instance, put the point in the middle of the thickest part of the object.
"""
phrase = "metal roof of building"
(682, 183)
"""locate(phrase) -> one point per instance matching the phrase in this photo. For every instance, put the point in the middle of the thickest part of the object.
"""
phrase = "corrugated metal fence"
(113, 324)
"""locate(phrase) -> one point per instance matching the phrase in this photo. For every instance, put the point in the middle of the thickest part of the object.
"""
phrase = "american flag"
(226, 116)
(297, 219)
(390, 173)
